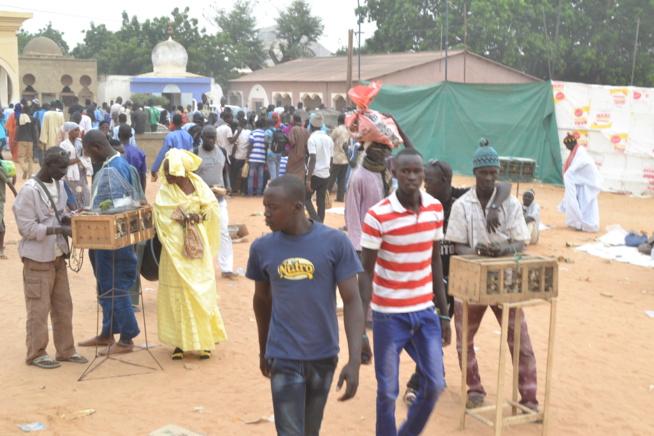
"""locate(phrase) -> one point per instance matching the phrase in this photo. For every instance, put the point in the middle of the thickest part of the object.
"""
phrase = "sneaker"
(410, 396)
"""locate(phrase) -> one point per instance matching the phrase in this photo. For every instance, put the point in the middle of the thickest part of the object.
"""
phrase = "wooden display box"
(493, 280)
(517, 169)
(111, 232)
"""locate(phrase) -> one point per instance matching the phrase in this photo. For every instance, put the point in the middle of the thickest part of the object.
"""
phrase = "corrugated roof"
(334, 69)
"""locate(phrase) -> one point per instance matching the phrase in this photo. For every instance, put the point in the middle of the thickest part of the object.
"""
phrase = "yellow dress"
(187, 301)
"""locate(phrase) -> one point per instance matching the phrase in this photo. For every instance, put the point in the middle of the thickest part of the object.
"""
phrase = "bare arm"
(439, 292)
(368, 260)
(262, 305)
(311, 166)
(353, 320)
(11, 184)
(503, 191)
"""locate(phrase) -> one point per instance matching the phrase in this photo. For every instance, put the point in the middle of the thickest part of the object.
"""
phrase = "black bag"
(279, 142)
(151, 258)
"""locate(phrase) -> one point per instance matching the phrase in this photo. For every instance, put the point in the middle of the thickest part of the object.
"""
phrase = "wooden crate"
(492, 280)
(111, 232)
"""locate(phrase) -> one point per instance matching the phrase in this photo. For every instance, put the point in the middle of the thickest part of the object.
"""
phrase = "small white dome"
(169, 57)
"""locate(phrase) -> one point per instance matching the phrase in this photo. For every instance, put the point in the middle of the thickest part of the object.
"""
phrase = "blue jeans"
(255, 167)
(419, 333)
(273, 162)
(116, 272)
(299, 390)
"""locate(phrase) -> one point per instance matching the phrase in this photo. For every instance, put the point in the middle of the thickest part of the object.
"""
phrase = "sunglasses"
(436, 164)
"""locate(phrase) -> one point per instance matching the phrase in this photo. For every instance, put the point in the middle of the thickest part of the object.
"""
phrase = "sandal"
(474, 402)
(75, 358)
(45, 362)
(205, 354)
(178, 354)
(410, 396)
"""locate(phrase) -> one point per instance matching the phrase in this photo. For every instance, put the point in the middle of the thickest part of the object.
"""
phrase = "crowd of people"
(391, 266)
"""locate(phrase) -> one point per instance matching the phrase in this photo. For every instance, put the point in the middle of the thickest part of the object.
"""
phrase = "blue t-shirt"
(178, 139)
(303, 272)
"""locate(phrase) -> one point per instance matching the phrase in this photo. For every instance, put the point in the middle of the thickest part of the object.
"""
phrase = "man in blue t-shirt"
(296, 270)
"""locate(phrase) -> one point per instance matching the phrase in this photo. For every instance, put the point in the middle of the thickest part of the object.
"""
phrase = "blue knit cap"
(485, 156)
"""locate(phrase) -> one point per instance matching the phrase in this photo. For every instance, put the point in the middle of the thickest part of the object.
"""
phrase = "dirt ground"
(603, 373)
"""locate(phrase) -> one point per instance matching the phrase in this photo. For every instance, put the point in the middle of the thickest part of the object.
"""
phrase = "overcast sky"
(73, 17)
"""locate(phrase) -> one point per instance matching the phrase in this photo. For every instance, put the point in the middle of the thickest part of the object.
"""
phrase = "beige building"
(10, 22)
(46, 74)
(313, 81)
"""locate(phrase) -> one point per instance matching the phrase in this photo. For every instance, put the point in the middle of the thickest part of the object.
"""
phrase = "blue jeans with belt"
(299, 390)
(419, 333)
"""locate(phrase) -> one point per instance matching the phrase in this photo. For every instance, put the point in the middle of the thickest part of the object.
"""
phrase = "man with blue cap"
(468, 231)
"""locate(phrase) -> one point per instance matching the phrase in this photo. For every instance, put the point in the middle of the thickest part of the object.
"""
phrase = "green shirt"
(154, 115)
(4, 179)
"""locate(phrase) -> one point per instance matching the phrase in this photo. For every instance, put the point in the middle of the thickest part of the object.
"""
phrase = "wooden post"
(348, 84)
(464, 364)
(548, 371)
(517, 323)
(500, 372)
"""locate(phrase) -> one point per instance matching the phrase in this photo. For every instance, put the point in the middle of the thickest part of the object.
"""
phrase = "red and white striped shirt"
(405, 241)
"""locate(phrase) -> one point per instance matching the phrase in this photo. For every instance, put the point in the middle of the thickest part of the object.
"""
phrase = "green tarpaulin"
(446, 120)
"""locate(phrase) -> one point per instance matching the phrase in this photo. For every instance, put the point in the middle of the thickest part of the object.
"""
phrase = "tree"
(24, 37)
(296, 30)
(240, 26)
(575, 41)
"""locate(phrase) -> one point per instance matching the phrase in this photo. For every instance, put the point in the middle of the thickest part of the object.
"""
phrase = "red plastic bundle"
(366, 125)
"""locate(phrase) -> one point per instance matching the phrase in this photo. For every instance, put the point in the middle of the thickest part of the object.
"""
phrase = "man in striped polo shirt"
(401, 256)
(256, 158)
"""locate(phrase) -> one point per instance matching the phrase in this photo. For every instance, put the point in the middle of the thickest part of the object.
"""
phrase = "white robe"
(583, 184)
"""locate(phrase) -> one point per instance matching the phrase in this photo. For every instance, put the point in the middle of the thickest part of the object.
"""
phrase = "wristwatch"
(493, 206)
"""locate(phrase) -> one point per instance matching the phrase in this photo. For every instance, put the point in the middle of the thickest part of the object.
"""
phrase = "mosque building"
(10, 22)
(47, 74)
(169, 77)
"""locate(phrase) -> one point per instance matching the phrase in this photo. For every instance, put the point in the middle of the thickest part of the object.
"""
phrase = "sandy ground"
(602, 376)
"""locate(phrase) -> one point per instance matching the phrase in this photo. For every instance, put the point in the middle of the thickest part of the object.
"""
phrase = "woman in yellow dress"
(187, 302)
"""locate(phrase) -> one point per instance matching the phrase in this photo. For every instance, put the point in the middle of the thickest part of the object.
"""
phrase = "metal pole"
(348, 85)
(447, 32)
(633, 65)
(465, 39)
(549, 62)
(359, 21)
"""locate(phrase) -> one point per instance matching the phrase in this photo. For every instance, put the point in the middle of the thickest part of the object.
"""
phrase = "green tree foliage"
(145, 98)
(128, 50)
(591, 42)
(240, 26)
(296, 30)
(24, 37)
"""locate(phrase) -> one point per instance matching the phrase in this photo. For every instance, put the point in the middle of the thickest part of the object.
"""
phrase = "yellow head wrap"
(181, 162)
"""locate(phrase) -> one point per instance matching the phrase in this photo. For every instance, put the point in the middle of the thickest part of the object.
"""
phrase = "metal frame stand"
(526, 415)
(118, 357)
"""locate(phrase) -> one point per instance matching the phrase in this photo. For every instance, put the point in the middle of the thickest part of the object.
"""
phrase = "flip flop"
(75, 358)
(45, 362)
(178, 354)
(205, 354)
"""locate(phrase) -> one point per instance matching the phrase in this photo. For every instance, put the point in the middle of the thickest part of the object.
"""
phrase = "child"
(5, 179)
(531, 211)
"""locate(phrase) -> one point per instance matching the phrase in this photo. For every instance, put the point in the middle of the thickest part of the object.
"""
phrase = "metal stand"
(110, 294)
(526, 415)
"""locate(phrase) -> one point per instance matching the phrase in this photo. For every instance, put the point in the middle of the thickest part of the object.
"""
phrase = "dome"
(169, 57)
(42, 45)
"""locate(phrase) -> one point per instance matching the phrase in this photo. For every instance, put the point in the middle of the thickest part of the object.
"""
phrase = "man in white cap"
(320, 149)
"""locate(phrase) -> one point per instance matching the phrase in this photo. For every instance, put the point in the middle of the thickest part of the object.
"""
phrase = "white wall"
(112, 87)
